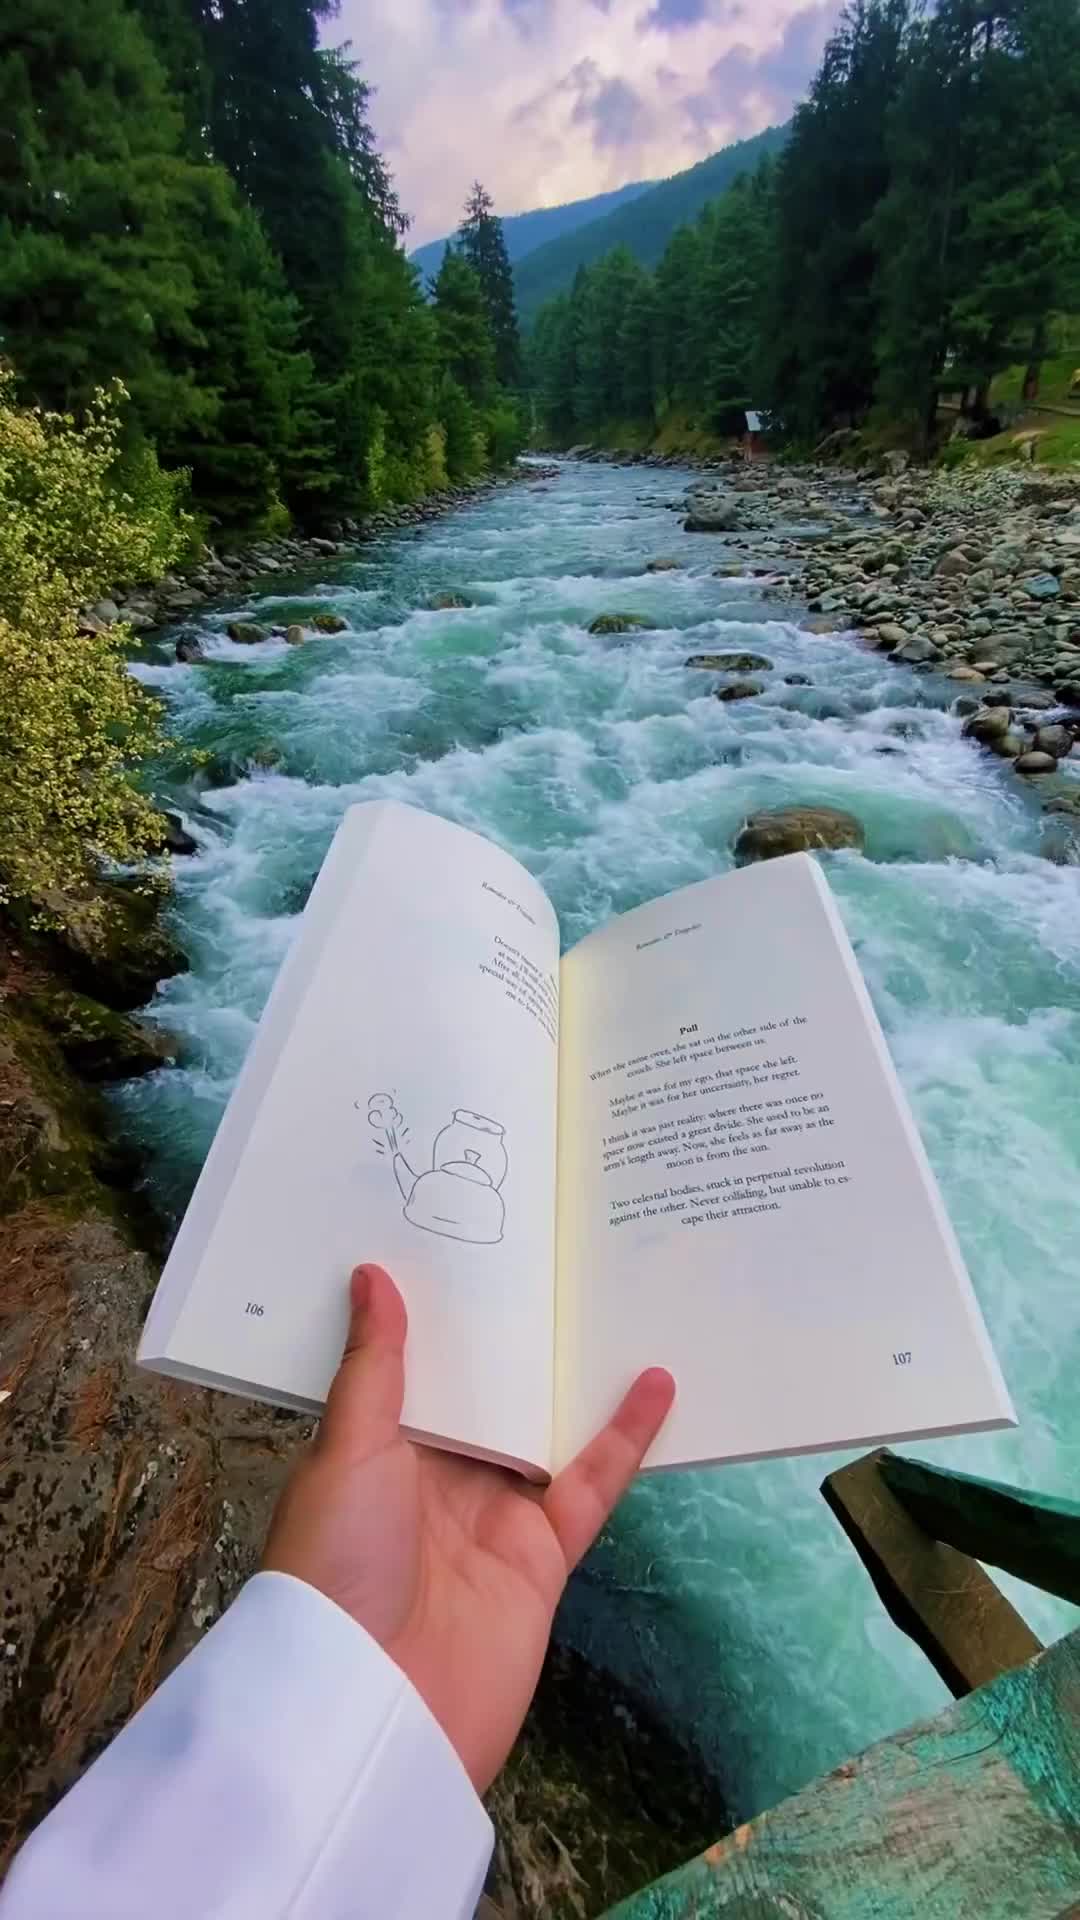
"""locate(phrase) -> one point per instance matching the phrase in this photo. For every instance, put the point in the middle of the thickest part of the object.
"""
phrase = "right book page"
(743, 1196)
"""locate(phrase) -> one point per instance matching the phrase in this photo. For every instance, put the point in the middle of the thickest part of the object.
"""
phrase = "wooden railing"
(974, 1815)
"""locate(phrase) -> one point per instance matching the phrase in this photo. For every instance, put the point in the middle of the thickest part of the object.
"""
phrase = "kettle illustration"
(458, 1196)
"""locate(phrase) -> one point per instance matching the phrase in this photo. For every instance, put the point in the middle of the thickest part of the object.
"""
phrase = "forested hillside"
(644, 226)
(524, 232)
(919, 233)
(193, 203)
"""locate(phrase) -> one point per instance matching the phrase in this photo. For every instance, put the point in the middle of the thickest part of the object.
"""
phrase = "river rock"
(295, 635)
(965, 673)
(796, 829)
(619, 623)
(989, 723)
(1006, 745)
(112, 944)
(99, 1043)
(664, 566)
(740, 690)
(954, 564)
(246, 633)
(797, 680)
(439, 603)
(1041, 586)
(916, 652)
(717, 514)
(731, 662)
(188, 650)
(1069, 693)
(890, 635)
(177, 838)
(333, 622)
(1034, 762)
(1054, 739)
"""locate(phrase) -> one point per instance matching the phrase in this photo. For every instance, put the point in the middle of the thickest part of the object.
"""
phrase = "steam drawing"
(458, 1195)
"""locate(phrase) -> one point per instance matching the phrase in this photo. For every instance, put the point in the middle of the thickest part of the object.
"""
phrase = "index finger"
(581, 1497)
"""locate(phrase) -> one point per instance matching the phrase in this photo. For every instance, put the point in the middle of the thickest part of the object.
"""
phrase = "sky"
(551, 100)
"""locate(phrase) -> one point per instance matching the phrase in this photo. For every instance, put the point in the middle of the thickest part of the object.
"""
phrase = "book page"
(743, 1197)
(398, 1106)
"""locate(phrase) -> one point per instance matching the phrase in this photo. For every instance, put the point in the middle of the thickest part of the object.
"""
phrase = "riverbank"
(215, 575)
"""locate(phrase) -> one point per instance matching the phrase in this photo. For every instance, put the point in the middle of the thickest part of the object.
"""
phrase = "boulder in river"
(246, 633)
(1006, 745)
(1055, 739)
(796, 829)
(740, 690)
(797, 680)
(188, 650)
(989, 723)
(620, 623)
(1035, 762)
(328, 623)
(295, 635)
(731, 662)
(439, 603)
(715, 513)
(889, 636)
(664, 566)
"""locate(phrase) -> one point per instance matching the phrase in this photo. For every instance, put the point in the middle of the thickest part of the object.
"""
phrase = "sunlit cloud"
(550, 100)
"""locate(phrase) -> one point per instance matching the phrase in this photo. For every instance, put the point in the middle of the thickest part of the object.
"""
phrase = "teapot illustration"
(458, 1196)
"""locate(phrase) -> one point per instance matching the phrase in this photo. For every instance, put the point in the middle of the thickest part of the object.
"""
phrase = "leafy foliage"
(73, 721)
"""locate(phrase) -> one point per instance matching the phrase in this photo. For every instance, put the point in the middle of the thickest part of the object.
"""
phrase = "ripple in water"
(729, 1597)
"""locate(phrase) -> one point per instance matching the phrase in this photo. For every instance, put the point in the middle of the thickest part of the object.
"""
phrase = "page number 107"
(901, 1359)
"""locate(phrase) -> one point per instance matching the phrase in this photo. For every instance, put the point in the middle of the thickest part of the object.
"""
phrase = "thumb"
(363, 1407)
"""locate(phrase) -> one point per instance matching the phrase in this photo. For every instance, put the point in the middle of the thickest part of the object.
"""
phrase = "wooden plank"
(971, 1816)
(1033, 1535)
(948, 1605)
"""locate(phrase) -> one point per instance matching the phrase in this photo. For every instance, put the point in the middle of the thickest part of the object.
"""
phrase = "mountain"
(526, 231)
(644, 224)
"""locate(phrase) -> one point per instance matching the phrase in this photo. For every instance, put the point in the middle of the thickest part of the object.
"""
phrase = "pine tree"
(481, 240)
(636, 347)
(466, 348)
(822, 315)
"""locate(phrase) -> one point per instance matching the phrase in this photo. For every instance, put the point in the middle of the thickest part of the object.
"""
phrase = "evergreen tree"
(466, 348)
(481, 241)
(822, 316)
(604, 298)
(636, 347)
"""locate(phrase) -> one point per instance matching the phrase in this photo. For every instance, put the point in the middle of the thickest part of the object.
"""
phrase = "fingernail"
(361, 1288)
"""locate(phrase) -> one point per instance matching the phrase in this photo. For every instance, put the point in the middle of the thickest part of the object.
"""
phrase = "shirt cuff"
(287, 1770)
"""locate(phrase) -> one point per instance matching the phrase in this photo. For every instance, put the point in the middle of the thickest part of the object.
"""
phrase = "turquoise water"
(729, 1597)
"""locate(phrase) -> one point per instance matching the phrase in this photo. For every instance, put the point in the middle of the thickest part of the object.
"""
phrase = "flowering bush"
(73, 722)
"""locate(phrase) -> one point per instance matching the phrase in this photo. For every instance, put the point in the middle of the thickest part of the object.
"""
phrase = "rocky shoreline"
(219, 575)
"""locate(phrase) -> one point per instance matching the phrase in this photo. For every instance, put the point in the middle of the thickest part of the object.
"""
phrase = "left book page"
(398, 1105)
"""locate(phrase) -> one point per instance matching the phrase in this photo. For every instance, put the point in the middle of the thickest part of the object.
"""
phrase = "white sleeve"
(287, 1770)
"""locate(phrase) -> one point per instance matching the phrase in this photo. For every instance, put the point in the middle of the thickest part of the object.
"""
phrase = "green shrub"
(73, 722)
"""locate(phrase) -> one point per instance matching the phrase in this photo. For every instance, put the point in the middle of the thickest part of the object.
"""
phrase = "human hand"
(454, 1567)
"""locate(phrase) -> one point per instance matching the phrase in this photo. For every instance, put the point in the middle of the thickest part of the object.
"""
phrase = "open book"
(681, 1145)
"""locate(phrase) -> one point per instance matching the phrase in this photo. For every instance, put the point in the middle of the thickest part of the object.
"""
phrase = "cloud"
(747, 90)
(550, 100)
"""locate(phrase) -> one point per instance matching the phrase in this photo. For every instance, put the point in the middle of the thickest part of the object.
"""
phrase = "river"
(729, 1597)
